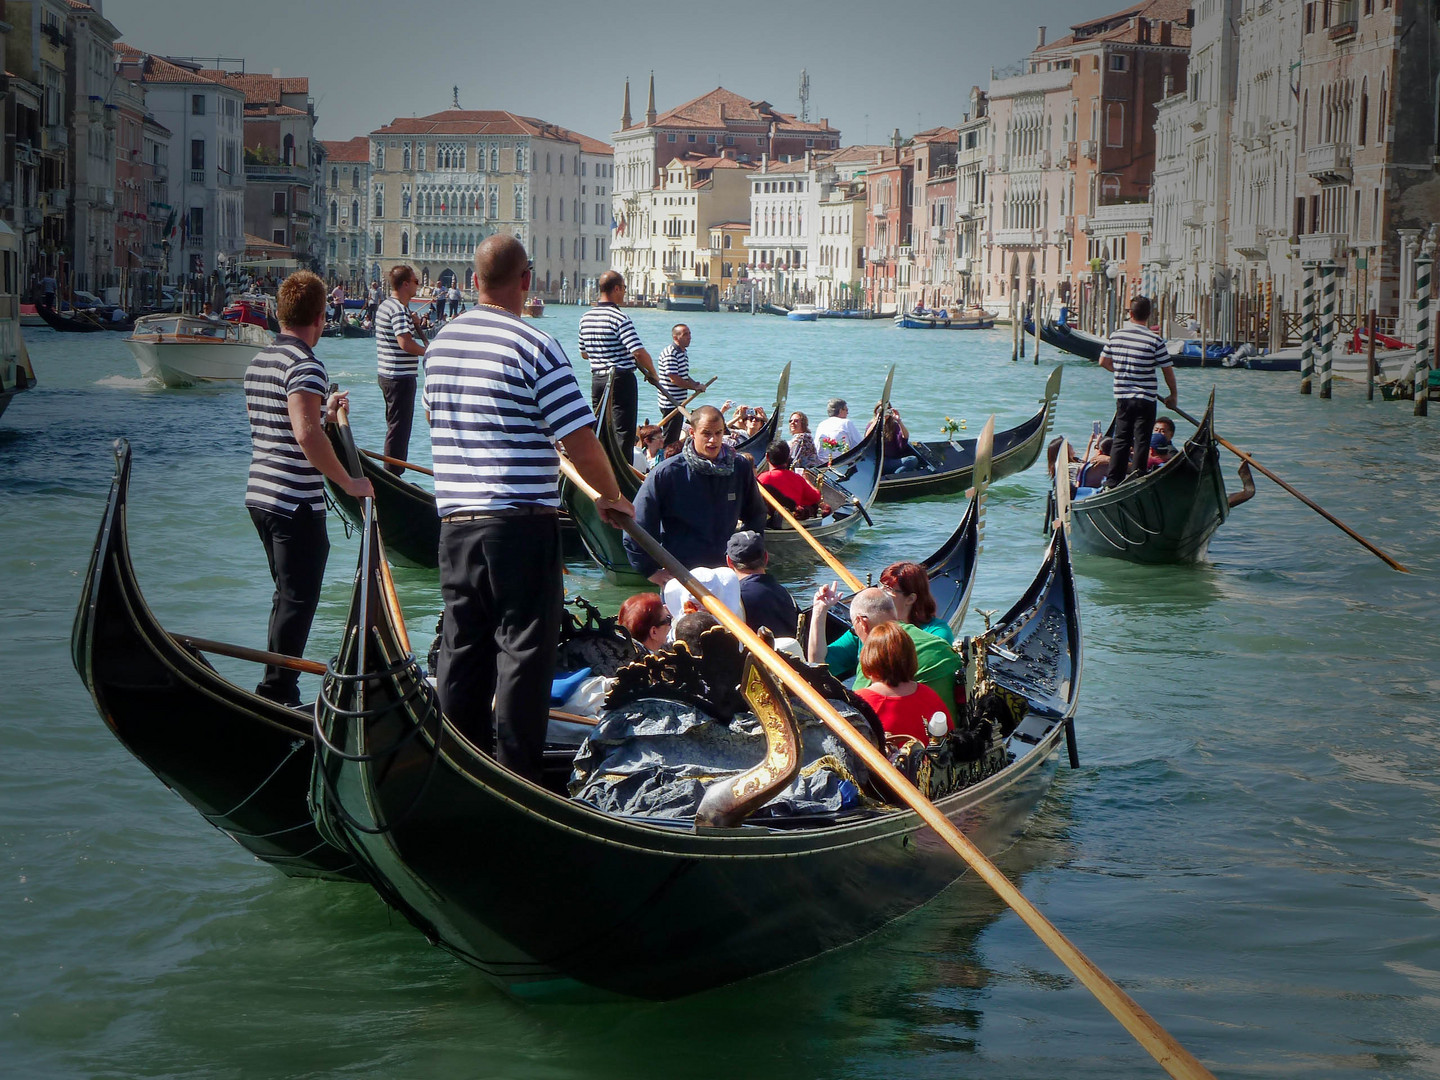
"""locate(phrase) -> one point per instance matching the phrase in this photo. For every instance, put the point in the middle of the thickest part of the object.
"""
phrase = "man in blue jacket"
(694, 501)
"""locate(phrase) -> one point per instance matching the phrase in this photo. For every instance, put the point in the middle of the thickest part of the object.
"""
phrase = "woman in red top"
(902, 704)
(782, 480)
(647, 619)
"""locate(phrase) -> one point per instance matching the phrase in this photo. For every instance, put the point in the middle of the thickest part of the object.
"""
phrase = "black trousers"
(296, 547)
(671, 428)
(623, 405)
(1134, 424)
(399, 397)
(500, 580)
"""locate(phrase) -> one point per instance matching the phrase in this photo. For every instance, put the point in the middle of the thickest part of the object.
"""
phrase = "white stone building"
(90, 77)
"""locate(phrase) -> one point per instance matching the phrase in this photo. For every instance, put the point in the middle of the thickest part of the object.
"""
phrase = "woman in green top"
(909, 587)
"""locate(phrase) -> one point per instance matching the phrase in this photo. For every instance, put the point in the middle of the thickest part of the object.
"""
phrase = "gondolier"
(289, 462)
(396, 363)
(609, 342)
(498, 393)
(673, 367)
(1134, 353)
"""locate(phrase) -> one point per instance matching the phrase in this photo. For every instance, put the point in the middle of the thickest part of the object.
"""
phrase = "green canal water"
(1251, 846)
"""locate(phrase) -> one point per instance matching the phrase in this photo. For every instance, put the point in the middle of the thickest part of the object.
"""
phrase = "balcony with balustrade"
(1323, 247)
(1329, 162)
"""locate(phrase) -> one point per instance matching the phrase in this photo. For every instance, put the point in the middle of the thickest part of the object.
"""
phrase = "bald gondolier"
(498, 394)
(290, 459)
(673, 367)
(609, 342)
(397, 363)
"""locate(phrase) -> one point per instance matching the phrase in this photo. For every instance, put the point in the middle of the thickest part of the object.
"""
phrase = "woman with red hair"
(903, 705)
(909, 586)
(647, 619)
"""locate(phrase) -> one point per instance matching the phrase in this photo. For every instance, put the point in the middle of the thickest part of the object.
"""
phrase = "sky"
(873, 66)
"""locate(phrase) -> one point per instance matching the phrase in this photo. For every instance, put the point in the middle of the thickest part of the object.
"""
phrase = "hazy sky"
(873, 66)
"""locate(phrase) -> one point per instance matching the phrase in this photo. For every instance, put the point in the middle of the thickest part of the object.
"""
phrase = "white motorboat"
(189, 350)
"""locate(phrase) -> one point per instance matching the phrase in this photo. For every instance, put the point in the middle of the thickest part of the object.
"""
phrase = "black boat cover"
(654, 757)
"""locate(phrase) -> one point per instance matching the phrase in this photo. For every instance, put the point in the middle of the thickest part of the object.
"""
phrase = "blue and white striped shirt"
(1136, 353)
(392, 318)
(672, 363)
(281, 477)
(499, 393)
(608, 339)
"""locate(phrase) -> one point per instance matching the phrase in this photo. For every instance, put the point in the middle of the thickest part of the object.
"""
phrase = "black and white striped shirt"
(498, 392)
(608, 339)
(1136, 353)
(392, 318)
(672, 363)
(281, 478)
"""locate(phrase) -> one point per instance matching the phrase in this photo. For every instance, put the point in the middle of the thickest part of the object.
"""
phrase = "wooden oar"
(1161, 1045)
(372, 455)
(810, 538)
(259, 656)
(1346, 529)
(680, 409)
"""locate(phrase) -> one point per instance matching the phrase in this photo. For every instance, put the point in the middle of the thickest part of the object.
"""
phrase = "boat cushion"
(1085, 492)
(563, 685)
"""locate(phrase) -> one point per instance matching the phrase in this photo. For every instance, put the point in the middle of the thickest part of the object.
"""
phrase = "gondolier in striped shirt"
(397, 363)
(673, 367)
(290, 458)
(609, 342)
(499, 393)
(1134, 353)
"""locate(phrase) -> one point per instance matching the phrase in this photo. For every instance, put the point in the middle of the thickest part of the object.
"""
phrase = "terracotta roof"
(699, 161)
(1119, 27)
(356, 149)
(488, 122)
(859, 152)
(937, 135)
(255, 243)
(260, 112)
(705, 112)
(796, 166)
(587, 144)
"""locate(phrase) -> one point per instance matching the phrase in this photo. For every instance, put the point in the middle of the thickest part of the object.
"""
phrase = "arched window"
(519, 159)
(334, 213)
(420, 157)
(1360, 137)
(379, 157)
(379, 202)
(519, 204)
(377, 243)
(289, 147)
(355, 212)
(404, 243)
(355, 177)
(334, 177)
(494, 157)
(405, 158)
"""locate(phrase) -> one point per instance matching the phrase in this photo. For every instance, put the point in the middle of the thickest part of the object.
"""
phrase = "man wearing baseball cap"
(766, 601)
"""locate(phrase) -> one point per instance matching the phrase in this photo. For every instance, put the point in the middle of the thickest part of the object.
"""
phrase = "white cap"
(937, 725)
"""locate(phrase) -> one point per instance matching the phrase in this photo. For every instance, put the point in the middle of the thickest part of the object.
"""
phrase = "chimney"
(625, 120)
(765, 163)
(825, 123)
(895, 142)
(722, 114)
(1165, 29)
(275, 73)
(809, 160)
(1040, 39)
(1169, 85)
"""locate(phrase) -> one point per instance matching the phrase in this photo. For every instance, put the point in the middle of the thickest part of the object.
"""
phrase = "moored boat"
(243, 762)
(1068, 339)
(948, 467)
(1166, 516)
(17, 374)
(187, 350)
(803, 313)
(77, 322)
(943, 319)
(489, 865)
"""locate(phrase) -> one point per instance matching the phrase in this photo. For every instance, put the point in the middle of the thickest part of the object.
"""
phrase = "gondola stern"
(110, 546)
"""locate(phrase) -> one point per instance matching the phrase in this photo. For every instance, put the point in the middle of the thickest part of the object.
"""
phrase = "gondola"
(1166, 516)
(242, 761)
(849, 484)
(756, 445)
(949, 467)
(1067, 339)
(550, 897)
(72, 324)
(410, 523)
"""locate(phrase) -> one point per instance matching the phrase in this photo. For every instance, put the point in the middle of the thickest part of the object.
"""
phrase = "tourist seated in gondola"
(747, 421)
(693, 502)
(1162, 446)
(767, 603)
(803, 454)
(909, 587)
(647, 620)
(691, 626)
(939, 664)
(793, 491)
(1095, 468)
(903, 705)
(900, 456)
(649, 447)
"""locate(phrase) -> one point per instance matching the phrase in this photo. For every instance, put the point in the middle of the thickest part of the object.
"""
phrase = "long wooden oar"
(680, 409)
(373, 456)
(1311, 503)
(810, 538)
(259, 656)
(1161, 1045)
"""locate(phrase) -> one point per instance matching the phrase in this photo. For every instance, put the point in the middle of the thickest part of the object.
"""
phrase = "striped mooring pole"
(1423, 267)
(1307, 328)
(1327, 325)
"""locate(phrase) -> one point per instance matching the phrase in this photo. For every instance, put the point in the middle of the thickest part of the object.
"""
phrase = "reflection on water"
(1248, 846)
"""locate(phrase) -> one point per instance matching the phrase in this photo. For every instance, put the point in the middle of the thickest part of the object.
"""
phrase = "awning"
(269, 264)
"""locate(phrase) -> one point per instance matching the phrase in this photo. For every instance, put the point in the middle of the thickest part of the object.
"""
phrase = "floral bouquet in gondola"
(951, 428)
(830, 446)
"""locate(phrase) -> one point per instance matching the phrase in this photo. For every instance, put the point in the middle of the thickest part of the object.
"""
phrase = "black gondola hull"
(243, 762)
